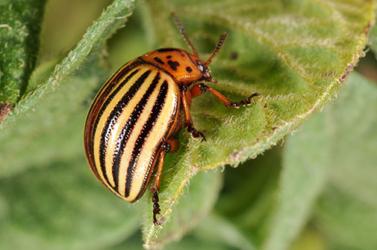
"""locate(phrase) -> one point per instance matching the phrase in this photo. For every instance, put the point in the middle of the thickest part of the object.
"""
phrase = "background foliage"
(315, 190)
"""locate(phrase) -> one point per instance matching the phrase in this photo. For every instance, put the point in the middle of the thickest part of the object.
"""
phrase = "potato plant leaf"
(48, 122)
(52, 131)
(200, 197)
(251, 193)
(333, 153)
(61, 206)
(218, 229)
(347, 211)
(295, 54)
(110, 20)
(20, 23)
(305, 163)
(373, 39)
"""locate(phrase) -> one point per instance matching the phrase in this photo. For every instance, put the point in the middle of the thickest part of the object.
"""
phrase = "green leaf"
(337, 148)
(110, 20)
(305, 163)
(57, 37)
(187, 243)
(347, 211)
(249, 194)
(192, 209)
(213, 232)
(304, 74)
(195, 243)
(295, 54)
(347, 221)
(61, 207)
(52, 131)
(372, 42)
(309, 240)
(132, 243)
(52, 115)
(217, 229)
(19, 41)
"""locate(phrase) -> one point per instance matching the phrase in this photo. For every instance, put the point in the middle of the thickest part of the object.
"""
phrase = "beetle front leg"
(186, 101)
(170, 145)
(201, 88)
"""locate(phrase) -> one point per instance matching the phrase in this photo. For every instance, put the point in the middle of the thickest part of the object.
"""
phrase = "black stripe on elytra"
(129, 126)
(111, 96)
(113, 119)
(104, 94)
(156, 110)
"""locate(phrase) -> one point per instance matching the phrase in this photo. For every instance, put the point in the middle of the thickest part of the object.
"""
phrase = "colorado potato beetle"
(133, 119)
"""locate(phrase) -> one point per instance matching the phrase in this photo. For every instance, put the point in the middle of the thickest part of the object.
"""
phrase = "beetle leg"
(186, 101)
(170, 145)
(201, 88)
(198, 89)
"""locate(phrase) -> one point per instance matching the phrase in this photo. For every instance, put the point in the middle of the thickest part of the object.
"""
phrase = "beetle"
(133, 119)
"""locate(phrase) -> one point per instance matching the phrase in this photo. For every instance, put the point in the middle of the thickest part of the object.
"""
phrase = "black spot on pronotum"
(168, 57)
(173, 64)
(157, 59)
(188, 69)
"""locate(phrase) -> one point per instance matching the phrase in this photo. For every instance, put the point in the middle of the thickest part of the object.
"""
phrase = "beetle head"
(202, 66)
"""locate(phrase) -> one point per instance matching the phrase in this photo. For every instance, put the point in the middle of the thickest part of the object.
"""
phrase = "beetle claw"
(244, 102)
(198, 134)
(195, 133)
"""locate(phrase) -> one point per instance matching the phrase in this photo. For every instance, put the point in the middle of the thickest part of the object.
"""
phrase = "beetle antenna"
(182, 31)
(219, 45)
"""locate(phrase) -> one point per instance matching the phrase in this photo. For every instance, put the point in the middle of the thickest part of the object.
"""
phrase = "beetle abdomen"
(131, 116)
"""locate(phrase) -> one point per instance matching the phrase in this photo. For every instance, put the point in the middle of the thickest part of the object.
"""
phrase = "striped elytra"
(134, 112)
(133, 120)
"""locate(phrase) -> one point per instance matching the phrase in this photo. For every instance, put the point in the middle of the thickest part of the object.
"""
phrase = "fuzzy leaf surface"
(332, 158)
(296, 54)
(347, 211)
(20, 23)
(48, 122)
(61, 206)
(199, 200)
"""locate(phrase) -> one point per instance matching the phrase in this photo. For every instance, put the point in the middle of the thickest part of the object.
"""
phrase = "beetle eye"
(201, 67)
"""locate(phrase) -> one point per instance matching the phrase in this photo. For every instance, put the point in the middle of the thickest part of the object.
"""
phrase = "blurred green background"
(58, 204)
